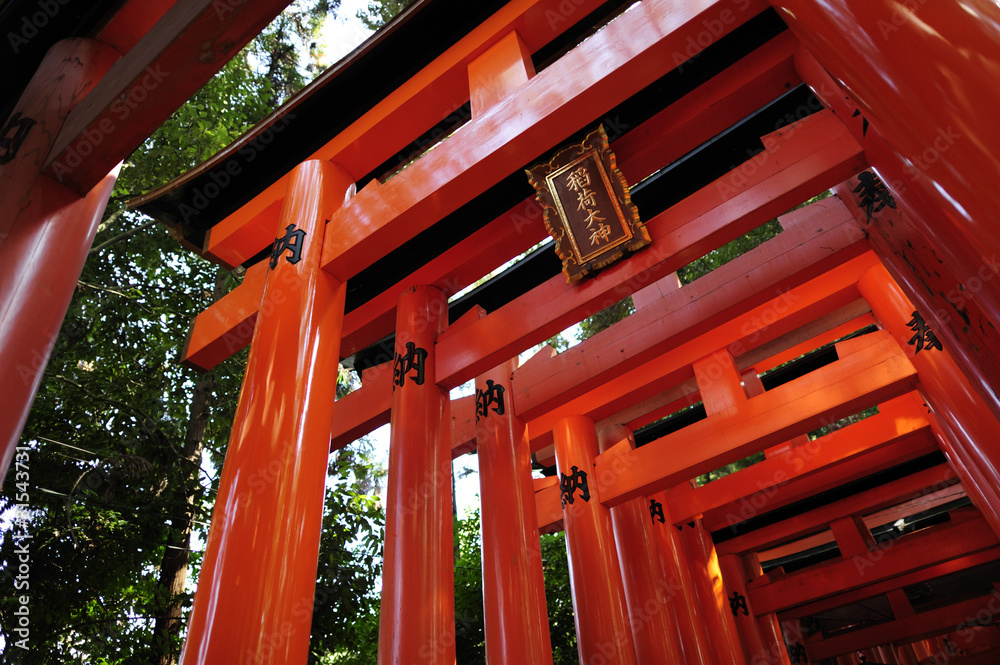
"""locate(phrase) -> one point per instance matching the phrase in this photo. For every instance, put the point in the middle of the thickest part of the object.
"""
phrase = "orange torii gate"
(728, 114)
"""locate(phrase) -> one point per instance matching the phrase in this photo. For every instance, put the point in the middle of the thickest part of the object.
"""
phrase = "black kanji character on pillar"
(412, 361)
(797, 654)
(864, 122)
(492, 396)
(292, 241)
(13, 136)
(571, 483)
(738, 602)
(923, 336)
(656, 511)
(874, 195)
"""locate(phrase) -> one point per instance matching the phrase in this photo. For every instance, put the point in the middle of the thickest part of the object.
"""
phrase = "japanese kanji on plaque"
(587, 207)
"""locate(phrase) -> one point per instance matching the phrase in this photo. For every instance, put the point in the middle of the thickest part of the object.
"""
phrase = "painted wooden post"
(967, 429)
(930, 167)
(255, 594)
(713, 607)
(648, 594)
(693, 638)
(517, 622)
(417, 623)
(602, 630)
(758, 647)
(46, 229)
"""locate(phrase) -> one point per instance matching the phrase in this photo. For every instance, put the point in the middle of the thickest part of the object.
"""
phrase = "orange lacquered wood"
(417, 617)
(399, 119)
(497, 73)
(516, 618)
(656, 630)
(798, 160)
(227, 325)
(755, 643)
(600, 610)
(719, 382)
(968, 431)
(852, 39)
(684, 125)
(258, 576)
(926, 548)
(604, 365)
(131, 22)
(616, 62)
(181, 51)
(45, 230)
(868, 376)
(712, 606)
(896, 584)
(813, 521)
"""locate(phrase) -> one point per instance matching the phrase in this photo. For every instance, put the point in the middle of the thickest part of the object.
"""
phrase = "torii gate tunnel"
(874, 540)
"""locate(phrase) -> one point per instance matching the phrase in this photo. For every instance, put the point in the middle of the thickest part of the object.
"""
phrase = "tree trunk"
(174, 566)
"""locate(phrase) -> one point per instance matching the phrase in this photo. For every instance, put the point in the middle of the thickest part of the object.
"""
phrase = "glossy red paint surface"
(712, 606)
(517, 622)
(648, 593)
(684, 603)
(45, 231)
(922, 73)
(417, 624)
(759, 644)
(255, 594)
(950, 278)
(969, 433)
(603, 632)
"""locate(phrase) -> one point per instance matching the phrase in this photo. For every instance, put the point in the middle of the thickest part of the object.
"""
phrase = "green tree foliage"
(279, 49)
(380, 12)
(470, 634)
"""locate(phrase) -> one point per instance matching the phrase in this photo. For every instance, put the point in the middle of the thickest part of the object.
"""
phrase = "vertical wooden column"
(649, 595)
(794, 638)
(602, 630)
(759, 645)
(968, 430)
(255, 594)
(693, 639)
(939, 162)
(417, 624)
(46, 229)
(770, 627)
(517, 622)
(721, 387)
(907, 656)
(713, 605)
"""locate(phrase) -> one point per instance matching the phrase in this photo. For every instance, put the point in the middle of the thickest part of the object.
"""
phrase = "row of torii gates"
(728, 113)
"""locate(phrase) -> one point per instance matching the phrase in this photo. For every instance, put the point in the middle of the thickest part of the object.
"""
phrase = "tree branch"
(120, 236)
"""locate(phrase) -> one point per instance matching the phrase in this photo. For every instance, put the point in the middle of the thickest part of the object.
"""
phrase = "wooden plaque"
(587, 207)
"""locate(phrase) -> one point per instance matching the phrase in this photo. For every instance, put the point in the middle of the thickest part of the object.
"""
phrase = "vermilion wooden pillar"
(517, 622)
(648, 593)
(721, 387)
(906, 654)
(602, 630)
(45, 228)
(684, 602)
(770, 627)
(940, 163)
(713, 607)
(417, 623)
(969, 433)
(760, 645)
(255, 595)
